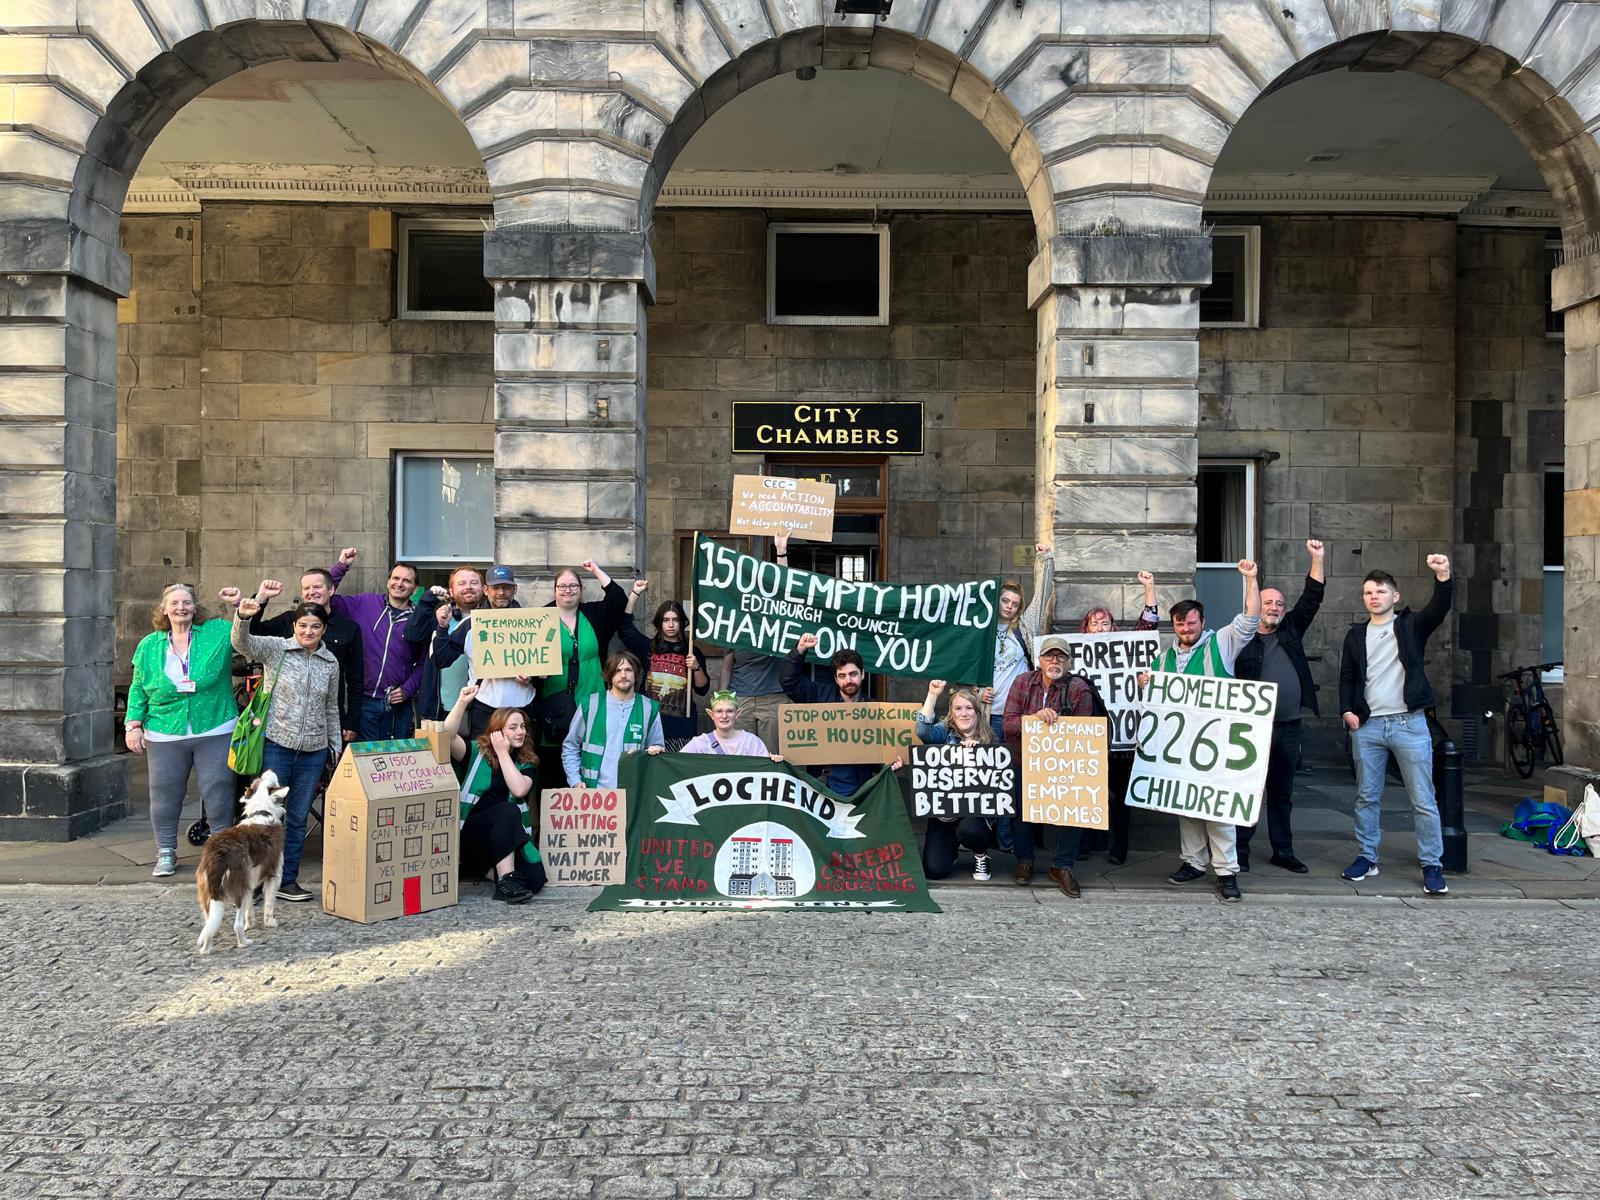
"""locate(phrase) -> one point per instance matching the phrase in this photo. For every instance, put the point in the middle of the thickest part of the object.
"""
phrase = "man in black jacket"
(342, 637)
(436, 614)
(450, 646)
(1277, 655)
(1383, 692)
(848, 683)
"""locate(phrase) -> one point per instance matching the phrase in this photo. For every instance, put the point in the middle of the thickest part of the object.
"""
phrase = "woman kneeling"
(964, 726)
(496, 819)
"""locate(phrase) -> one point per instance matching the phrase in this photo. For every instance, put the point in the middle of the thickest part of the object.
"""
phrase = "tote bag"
(247, 748)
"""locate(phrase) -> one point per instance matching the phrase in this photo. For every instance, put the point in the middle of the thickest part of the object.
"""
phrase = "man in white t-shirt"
(1383, 693)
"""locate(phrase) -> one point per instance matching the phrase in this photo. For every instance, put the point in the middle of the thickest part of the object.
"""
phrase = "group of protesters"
(365, 667)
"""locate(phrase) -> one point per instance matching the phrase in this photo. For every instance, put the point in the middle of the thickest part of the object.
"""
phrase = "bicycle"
(1531, 728)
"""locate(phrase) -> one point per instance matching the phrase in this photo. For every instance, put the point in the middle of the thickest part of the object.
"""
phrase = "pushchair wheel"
(199, 832)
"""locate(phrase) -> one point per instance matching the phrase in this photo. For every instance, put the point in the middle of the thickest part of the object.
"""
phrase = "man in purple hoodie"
(393, 665)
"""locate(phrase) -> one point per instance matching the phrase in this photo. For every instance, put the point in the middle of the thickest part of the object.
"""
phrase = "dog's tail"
(209, 880)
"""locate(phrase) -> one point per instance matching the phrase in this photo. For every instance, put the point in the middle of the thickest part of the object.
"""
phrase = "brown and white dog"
(241, 858)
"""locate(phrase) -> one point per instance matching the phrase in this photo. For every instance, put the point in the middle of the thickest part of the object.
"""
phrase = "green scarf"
(641, 718)
(1205, 660)
(479, 776)
(591, 677)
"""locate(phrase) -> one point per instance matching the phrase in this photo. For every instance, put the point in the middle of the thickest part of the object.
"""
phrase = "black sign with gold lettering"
(841, 427)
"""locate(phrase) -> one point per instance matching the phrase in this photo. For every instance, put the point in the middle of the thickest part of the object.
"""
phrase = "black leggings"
(1121, 766)
(943, 841)
(488, 836)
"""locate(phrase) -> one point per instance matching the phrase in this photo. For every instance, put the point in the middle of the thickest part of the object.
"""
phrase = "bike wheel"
(1519, 747)
(1552, 735)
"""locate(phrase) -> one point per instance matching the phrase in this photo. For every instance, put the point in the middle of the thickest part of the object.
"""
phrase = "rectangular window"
(827, 274)
(444, 508)
(441, 271)
(1225, 532)
(1555, 323)
(1233, 298)
(1552, 640)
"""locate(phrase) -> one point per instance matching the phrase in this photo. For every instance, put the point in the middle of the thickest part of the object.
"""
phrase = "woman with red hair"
(1100, 620)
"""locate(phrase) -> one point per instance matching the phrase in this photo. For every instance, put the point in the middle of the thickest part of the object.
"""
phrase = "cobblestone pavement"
(1016, 1045)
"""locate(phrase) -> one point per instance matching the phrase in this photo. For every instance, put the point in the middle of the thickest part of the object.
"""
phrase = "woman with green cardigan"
(181, 714)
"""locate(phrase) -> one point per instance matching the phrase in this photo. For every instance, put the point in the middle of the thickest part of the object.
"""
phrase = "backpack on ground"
(1536, 821)
(1581, 833)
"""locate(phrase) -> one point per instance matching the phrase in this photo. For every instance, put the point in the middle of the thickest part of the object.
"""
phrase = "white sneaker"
(980, 868)
(166, 864)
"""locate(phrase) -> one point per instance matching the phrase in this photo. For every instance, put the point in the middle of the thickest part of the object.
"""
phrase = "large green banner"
(709, 832)
(927, 631)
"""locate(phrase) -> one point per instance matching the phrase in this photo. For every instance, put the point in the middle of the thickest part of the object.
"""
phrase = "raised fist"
(936, 687)
(640, 586)
(348, 555)
(1146, 578)
(1440, 566)
(1041, 549)
(807, 643)
(591, 566)
(1315, 548)
(249, 607)
(229, 596)
(1247, 568)
(780, 545)
(468, 692)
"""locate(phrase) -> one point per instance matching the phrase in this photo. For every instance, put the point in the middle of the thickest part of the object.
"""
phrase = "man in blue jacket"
(849, 677)
(1383, 692)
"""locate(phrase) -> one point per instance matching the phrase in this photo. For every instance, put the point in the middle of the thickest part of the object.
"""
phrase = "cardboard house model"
(390, 840)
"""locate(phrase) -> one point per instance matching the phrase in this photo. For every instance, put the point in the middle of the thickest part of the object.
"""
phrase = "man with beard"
(436, 695)
(849, 681)
(1201, 651)
(391, 667)
(342, 638)
(610, 724)
(451, 647)
(1277, 655)
(1048, 693)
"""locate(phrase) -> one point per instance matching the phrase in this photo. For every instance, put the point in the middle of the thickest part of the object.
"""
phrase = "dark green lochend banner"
(708, 832)
(924, 631)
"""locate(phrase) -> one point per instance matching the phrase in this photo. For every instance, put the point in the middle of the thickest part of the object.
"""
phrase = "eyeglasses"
(569, 587)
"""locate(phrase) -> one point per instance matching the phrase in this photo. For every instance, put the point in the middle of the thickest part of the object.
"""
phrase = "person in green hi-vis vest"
(1197, 650)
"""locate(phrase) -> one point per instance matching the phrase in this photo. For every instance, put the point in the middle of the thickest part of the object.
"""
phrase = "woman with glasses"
(181, 714)
(586, 632)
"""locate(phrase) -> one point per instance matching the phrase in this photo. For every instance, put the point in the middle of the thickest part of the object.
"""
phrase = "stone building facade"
(1084, 342)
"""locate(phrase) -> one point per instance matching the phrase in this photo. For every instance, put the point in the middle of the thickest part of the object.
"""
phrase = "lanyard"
(183, 659)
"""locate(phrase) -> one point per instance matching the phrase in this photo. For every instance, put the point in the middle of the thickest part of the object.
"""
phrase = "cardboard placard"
(390, 832)
(1112, 662)
(859, 732)
(583, 836)
(1065, 772)
(951, 780)
(801, 508)
(1203, 747)
(506, 642)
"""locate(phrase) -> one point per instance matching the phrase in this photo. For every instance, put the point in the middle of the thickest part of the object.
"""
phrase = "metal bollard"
(1452, 812)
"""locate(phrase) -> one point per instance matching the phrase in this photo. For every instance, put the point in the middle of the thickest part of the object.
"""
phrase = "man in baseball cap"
(501, 586)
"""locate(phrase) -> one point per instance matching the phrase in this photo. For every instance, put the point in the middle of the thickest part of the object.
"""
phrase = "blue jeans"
(382, 721)
(1406, 736)
(300, 771)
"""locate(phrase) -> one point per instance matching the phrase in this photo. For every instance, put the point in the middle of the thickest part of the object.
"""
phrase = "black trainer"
(511, 890)
(293, 893)
(1186, 874)
(1228, 889)
(1289, 863)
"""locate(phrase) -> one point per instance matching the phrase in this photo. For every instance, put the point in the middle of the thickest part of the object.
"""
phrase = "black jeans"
(1285, 757)
(1120, 767)
(944, 840)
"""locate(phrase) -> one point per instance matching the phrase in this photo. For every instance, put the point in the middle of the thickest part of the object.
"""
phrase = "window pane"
(825, 274)
(1224, 299)
(446, 508)
(1221, 590)
(1554, 518)
(1555, 580)
(1220, 531)
(445, 272)
(850, 481)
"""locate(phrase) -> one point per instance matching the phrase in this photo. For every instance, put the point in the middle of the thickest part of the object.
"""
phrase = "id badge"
(186, 685)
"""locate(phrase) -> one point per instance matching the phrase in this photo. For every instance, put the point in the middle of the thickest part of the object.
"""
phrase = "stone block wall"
(960, 339)
(1509, 429)
(1347, 394)
(263, 386)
